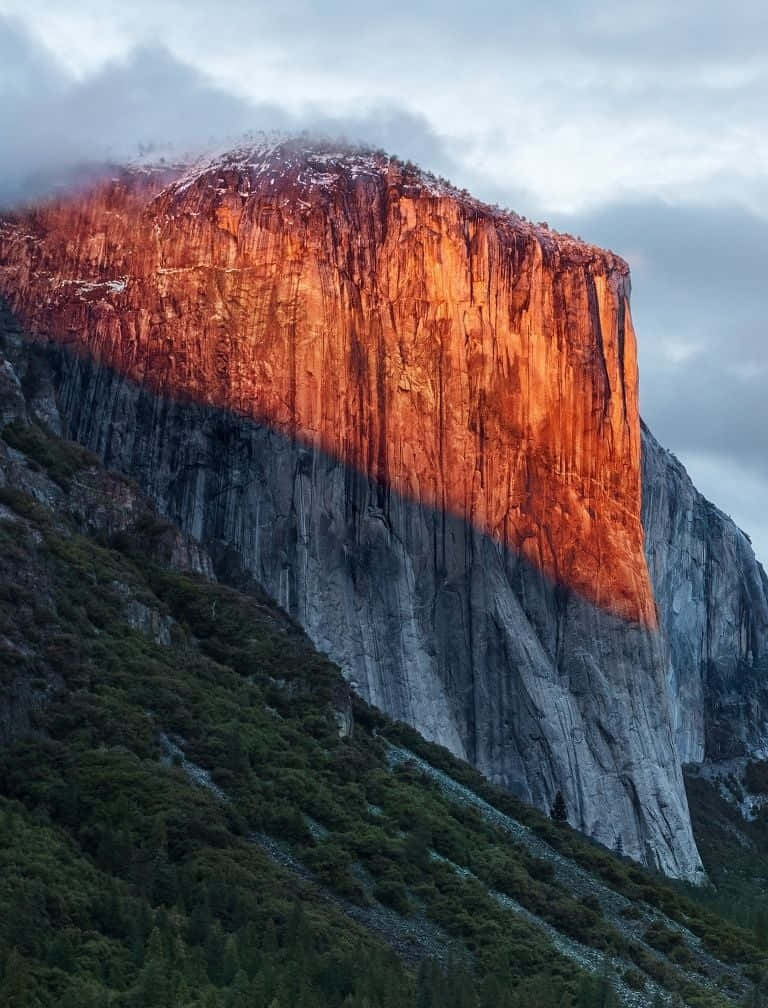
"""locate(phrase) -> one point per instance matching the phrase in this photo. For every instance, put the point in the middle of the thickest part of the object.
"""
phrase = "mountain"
(412, 418)
(713, 609)
(197, 812)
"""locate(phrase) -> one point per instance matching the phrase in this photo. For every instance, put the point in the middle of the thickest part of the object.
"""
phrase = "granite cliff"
(182, 774)
(712, 596)
(413, 419)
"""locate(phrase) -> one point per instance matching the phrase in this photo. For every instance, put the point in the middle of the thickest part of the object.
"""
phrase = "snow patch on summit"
(86, 287)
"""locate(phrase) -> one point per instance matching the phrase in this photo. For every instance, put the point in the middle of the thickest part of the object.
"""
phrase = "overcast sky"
(639, 125)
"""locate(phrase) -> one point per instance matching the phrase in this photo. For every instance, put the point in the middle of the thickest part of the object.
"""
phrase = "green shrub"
(663, 938)
(632, 912)
(393, 893)
(634, 979)
(24, 505)
(591, 902)
(61, 459)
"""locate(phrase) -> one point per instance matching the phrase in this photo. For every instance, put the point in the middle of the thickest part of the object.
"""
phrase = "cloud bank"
(55, 124)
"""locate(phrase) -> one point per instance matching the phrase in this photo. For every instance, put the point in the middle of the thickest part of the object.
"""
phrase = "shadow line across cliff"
(431, 619)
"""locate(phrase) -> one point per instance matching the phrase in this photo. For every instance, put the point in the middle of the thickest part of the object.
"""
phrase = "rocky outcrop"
(712, 596)
(64, 478)
(41, 475)
(413, 420)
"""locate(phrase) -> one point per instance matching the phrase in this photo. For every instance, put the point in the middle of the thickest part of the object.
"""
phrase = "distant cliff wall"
(712, 596)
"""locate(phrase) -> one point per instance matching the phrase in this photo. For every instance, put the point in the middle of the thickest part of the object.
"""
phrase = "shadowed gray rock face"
(95, 503)
(430, 620)
(439, 626)
(712, 597)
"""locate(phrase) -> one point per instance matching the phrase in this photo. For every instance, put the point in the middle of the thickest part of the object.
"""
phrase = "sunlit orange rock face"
(458, 355)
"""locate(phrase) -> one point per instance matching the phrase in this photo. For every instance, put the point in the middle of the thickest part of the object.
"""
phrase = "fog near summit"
(56, 126)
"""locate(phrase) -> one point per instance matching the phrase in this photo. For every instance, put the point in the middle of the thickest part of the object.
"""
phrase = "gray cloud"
(579, 103)
(52, 122)
(55, 125)
(647, 31)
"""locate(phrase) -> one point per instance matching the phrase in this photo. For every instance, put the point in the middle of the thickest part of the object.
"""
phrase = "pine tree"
(239, 995)
(230, 965)
(7, 825)
(154, 981)
(417, 844)
(424, 984)
(200, 921)
(214, 952)
(60, 953)
(237, 756)
(760, 927)
(559, 812)
(14, 990)
(607, 994)
(106, 852)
